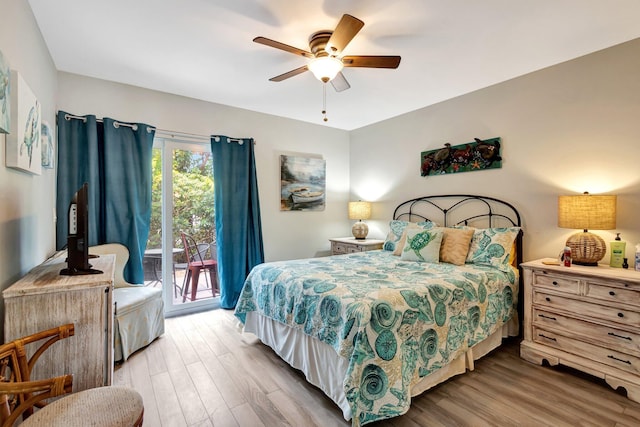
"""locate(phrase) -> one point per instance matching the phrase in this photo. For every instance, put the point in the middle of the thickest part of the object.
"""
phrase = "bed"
(373, 329)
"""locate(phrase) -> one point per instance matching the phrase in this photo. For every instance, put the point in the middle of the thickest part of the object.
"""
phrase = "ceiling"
(203, 49)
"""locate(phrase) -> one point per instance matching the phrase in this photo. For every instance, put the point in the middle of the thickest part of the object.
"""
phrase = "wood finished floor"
(203, 372)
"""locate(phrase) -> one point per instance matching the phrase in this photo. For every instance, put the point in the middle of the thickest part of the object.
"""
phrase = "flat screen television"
(78, 235)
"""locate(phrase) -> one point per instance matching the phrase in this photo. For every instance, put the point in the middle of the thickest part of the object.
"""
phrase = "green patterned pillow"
(422, 245)
(492, 246)
(397, 227)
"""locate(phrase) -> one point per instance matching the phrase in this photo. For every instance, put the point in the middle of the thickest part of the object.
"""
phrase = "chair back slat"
(18, 394)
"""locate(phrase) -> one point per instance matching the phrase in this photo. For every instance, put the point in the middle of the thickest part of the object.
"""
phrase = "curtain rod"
(171, 133)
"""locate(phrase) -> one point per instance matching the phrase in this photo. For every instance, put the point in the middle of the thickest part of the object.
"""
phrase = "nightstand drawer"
(617, 339)
(338, 248)
(586, 309)
(564, 284)
(347, 245)
(610, 293)
(609, 357)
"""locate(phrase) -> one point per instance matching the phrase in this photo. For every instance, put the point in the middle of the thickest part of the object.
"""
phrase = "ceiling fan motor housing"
(318, 42)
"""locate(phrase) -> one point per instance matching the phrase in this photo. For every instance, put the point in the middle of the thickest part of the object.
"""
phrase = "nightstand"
(349, 245)
(587, 318)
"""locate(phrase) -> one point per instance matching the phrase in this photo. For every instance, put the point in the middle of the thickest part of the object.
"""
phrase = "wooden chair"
(197, 262)
(19, 394)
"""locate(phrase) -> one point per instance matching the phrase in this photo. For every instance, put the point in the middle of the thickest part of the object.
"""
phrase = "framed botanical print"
(5, 102)
(23, 148)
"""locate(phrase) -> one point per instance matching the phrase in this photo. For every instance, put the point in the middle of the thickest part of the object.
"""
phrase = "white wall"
(566, 129)
(27, 233)
(287, 234)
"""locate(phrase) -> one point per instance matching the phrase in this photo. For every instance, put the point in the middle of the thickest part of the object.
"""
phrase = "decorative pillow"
(422, 245)
(396, 227)
(400, 244)
(455, 245)
(492, 246)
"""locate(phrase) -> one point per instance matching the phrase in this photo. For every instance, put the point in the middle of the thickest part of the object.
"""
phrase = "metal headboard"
(465, 209)
(470, 209)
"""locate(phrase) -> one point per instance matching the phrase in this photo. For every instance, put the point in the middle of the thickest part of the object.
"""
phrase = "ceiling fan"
(325, 49)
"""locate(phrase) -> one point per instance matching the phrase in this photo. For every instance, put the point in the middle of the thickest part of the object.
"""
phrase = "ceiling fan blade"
(346, 30)
(272, 43)
(340, 83)
(288, 74)
(371, 61)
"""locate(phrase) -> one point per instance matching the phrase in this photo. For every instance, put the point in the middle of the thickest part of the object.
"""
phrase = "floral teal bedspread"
(395, 321)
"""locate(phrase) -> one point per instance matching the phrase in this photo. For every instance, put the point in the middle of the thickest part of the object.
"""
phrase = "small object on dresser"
(625, 263)
(637, 260)
(566, 256)
(617, 252)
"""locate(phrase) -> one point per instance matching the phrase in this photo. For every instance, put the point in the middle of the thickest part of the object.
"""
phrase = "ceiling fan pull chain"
(324, 102)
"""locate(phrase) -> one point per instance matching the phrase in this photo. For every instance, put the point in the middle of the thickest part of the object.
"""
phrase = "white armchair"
(139, 312)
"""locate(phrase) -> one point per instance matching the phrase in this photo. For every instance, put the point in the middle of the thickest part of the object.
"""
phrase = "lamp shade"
(587, 212)
(359, 210)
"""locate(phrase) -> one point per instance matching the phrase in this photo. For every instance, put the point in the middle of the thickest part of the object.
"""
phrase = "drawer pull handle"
(619, 360)
(550, 338)
(620, 314)
(619, 336)
(547, 299)
(612, 293)
(546, 317)
(554, 283)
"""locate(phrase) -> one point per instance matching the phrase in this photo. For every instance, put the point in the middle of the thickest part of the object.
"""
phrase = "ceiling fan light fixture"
(325, 68)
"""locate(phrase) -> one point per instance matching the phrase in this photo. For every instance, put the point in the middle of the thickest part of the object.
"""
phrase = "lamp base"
(586, 248)
(360, 230)
(588, 264)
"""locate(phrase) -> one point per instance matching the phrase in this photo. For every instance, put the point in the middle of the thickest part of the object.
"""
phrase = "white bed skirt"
(325, 369)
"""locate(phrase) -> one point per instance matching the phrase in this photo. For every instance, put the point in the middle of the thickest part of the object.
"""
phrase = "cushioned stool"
(96, 407)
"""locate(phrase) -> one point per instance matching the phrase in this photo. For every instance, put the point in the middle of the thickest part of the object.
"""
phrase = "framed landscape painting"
(5, 102)
(23, 148)
(302, 183)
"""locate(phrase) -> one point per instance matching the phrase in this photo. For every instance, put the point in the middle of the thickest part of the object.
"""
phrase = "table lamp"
(360, 210)
(587, 211)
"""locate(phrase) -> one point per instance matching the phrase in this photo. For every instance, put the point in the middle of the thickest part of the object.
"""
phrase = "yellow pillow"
(455, 245)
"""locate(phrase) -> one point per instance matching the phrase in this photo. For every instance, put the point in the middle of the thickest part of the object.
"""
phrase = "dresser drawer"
(564, 284)
(609, 357)
(610, 293)
(614, 338)
(587, 309)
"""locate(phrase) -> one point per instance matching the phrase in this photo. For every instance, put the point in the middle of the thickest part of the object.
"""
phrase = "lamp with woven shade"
(587, 211)
(360, 210)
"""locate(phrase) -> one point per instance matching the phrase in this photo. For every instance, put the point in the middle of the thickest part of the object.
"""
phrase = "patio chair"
(197, 261)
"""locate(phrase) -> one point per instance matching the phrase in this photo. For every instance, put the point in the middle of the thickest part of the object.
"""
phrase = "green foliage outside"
(193, 210)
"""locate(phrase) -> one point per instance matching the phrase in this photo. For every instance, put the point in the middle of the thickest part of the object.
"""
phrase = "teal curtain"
(237, 207)
(115, 160)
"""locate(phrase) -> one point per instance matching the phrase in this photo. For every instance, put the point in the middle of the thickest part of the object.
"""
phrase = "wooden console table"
(44, 299)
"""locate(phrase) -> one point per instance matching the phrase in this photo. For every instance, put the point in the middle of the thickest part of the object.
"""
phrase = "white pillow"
(396, 228)
(422, 245)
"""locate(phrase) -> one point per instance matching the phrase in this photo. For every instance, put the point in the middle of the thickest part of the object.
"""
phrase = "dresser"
(587, 318)
(349, 245)
(44, 299)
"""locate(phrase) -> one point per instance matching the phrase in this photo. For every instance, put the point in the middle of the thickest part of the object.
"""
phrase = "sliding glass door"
(182, 203)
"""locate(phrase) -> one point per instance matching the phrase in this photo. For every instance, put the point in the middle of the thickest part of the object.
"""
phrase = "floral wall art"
(24, 147)
(472, 156)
